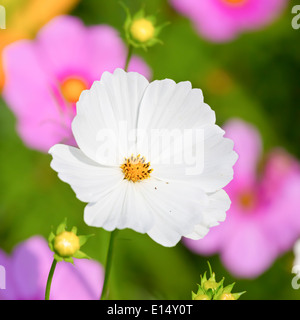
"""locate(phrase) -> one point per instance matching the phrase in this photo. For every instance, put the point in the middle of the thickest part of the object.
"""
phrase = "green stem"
(108, 264)
(49, 281)
(129, 54)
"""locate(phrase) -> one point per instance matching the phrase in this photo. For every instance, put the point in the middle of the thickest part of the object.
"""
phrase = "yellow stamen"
(71, 89)
(234, 2)
(136, 169)
(247, 200)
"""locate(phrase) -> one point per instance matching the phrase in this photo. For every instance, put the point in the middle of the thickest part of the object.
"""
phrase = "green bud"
(210, 289)
(141, 30)
(66, 244)
(202, 297)
(226, 296)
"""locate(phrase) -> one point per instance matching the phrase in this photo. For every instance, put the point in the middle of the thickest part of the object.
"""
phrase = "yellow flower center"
(234, 2)
(247, 200)
(136, 169)
(142, 30)
(227, 296)
(66, 244)
(71, 89)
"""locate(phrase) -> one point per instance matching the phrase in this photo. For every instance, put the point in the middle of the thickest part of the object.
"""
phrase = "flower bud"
(226, 296)
(142, 30)
(202, 297)
(210, 284)
(66, 244)
(210, 289)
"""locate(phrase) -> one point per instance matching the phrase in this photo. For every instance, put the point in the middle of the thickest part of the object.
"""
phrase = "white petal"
(122, 208)
(89, 180)
(219, 203)
(219, 159)
(172, 110)
(136, 214)
(107, 115)
(217, 169)
(167, 105)
(176, 208)
(106, 212)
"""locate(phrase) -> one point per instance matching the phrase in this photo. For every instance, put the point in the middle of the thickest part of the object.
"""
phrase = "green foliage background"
(260, 84)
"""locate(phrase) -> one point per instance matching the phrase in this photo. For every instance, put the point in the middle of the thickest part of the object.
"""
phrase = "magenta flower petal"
(62, 47)
(247, 144)
(50, 72)
(281, 188)
(214, 242)
(263, 221)
(249, 252)
(74, 282)
(41, 122)
(106, 40)
(31, 260)
(210, 244)
(222, 20)
(10, 290)
(27, 272)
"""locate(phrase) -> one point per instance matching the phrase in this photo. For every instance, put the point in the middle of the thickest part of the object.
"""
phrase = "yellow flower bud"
(66, 244)
(227, 296)
(142, 30)
(202, 297)
(210, 284)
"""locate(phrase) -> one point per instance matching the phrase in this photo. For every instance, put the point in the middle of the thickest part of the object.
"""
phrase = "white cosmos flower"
(129, 180)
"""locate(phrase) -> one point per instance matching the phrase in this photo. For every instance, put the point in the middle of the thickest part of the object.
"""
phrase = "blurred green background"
(255, 77)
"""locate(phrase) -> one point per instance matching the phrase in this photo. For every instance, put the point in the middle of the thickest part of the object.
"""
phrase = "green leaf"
(50, 241)
(152, 19)
(210, 269)
(80, 255)
(83, 239)
(237, 295)
(62, 227)
(139, 15)
(51, 237)
(69, 259)
(74, 230)
(203, 279)
(57, 257)
(159, 28)
(200, 290)
(228, 288)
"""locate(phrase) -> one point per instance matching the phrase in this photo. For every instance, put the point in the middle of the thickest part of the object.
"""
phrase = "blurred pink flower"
(27, 271)
(223, 20)
(45, 77)
(264, 220)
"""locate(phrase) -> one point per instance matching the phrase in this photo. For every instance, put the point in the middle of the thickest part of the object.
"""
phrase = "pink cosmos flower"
(45, 77)
(27, 269)
(223, 20)
(264, 220)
